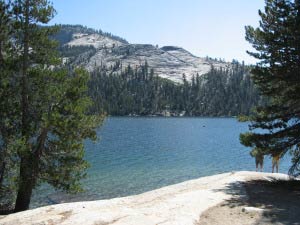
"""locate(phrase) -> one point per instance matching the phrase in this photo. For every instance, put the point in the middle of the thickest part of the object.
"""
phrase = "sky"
(203, 27)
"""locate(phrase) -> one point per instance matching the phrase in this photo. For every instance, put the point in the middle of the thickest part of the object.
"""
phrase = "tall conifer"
(275, 127)
(43, 119)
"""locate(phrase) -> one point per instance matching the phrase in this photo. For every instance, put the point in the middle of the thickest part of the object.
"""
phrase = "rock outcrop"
(168, 62)
(182, 203)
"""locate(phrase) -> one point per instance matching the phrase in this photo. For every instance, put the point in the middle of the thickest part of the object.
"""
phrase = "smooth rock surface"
(181, 203)
(169, 62)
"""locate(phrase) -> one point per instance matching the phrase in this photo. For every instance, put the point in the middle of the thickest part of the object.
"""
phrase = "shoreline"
(181, 203)
(156, 116)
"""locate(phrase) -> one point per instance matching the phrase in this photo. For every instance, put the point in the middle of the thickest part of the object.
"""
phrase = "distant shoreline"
(154, 116)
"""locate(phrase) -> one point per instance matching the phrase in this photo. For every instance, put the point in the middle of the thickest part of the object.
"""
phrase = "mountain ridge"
(143, 79)
(169, 62)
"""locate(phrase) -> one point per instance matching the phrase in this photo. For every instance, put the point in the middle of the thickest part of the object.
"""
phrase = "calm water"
(135, 155)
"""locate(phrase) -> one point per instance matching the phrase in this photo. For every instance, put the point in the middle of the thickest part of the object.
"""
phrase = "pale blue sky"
(212, 28)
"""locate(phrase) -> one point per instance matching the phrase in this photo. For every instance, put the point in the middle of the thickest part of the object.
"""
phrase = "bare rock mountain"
(168, 62)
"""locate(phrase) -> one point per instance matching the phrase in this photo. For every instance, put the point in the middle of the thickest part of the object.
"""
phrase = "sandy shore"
(206, 200)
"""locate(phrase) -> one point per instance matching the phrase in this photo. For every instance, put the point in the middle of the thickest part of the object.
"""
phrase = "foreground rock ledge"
(181, 203)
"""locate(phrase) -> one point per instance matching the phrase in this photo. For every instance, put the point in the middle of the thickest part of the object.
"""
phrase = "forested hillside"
(138, 91)
(130, 79)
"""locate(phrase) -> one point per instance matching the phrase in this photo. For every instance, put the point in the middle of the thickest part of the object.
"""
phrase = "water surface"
(139, 154)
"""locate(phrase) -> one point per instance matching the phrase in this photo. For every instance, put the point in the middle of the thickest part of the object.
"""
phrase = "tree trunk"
(2, 171)
(26, 177)
(29, 169)
(26, 185)
(24, 87)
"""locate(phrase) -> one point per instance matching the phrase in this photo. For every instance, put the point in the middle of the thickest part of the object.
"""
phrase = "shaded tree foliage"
(275, 127)
(43, 119)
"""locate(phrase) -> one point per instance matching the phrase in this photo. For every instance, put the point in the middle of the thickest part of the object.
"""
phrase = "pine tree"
(43, 119)
(7, 163)
(275, 127)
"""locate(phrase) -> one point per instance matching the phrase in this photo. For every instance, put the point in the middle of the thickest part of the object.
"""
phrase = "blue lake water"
(136, 155)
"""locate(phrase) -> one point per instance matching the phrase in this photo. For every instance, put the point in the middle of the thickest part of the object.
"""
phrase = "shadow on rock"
(277, 201)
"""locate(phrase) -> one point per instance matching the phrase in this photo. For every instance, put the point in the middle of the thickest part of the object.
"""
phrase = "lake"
(139, 154)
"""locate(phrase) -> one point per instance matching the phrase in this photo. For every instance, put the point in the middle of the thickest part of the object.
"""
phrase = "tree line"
(139, 91)
(66, 31)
